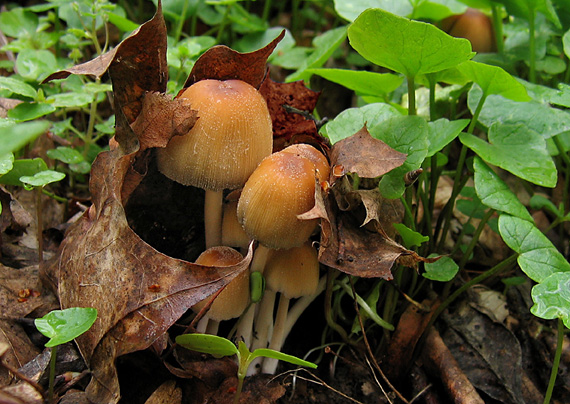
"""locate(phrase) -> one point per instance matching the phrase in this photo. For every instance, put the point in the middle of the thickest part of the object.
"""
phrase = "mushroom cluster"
(229, 148)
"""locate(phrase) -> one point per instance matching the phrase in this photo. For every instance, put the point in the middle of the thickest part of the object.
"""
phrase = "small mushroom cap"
(293, 272)
(232, 301)
(233, 234)
(320, 162)
(231, 137)
(282, 187)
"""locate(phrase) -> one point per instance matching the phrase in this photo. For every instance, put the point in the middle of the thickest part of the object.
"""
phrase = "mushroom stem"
(213, 218)
(245, 326)
(270, 364)
(213, 326)
(263, 324)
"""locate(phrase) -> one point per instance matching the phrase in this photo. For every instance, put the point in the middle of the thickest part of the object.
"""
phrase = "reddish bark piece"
(410, 328)
(289, 127)
(223, 63)
(365, 156)
(439, 360)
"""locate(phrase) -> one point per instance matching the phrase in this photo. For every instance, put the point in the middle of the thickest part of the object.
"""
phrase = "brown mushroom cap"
(282, 187)
(233, 234)
(233, 300)
(320, 162)
(293, 272)
(232, 135)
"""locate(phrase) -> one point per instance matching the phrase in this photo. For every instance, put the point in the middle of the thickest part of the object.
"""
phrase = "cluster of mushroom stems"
(230, 148)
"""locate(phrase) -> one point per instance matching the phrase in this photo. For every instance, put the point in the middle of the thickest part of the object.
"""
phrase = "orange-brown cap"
(320, 162)
(233, 234)
(233, 300)
(282, 187)
(293, 272)
(231, 137)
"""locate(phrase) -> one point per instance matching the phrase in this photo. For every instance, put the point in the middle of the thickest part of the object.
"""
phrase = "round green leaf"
(23, 167)
(538, 258)
(35, 65)
(351, 9)
(551, 298)
(205, 343)
(28, 111)
(351, 120)
(442, 270)
(42, 178)
(406, 46)
(18, 23)
(61, 326)
(66, 155)
(6, 163)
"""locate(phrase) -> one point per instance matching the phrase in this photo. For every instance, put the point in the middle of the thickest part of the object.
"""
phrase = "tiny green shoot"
(219, 347)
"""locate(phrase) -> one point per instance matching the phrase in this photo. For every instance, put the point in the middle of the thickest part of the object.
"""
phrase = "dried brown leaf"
(223, 63)
(365, 156)
(166, 393)
(289, 127)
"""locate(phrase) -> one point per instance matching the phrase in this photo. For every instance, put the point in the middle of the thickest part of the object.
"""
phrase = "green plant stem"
(411, 95)
(555, 362)
(498, 27)
(223, 24)
(457, 183)
(331, 276)
(432, 111)
(408, 215)
(266, 10)
(532, 47)
(475, 238)
(52, 362)
(54, 196)
(181, 20)
(39, 220)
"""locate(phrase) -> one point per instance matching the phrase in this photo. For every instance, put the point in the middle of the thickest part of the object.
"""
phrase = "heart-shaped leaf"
(15, 136)
(517, 149)
(551, 298)
(360, 81)
(538, 258)
(61, 326)
(406, 46)
(494, 193)
(442, 132)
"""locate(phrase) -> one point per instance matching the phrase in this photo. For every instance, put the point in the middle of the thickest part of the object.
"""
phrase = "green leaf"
(516, 149)
(17, 87)
(527, 8)
(541, 202)
(123, 23)
(539, 117)
(566, 43)
(71, 100)
(270, 353)
(406, 134)
(551, 298)
(405, 46)
(205, 343)
(538, 258)
(28, 111)
(442, 132)
(18, 23)
(324, 46)
(61, 326)
(494, 193)
(410, 238)
(42, 178)
(66, 155)
(23, 167)
(351, 9)
(494, 80)
(15, 136)
(6, 162)
(258, 40)
(362, 82)
(442, 270)
(437, 10)
(35, 65)
(351, 120)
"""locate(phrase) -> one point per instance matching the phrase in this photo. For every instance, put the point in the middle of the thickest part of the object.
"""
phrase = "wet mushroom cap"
(282, 187)
(319, 160)
(233, 234)
(232, 135)
(233, 300)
